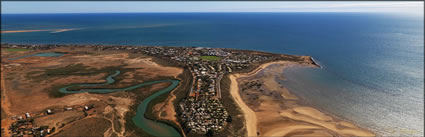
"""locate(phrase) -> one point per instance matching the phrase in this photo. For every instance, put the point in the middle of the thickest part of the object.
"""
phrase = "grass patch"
(15, 49)
(210, 58)
(75, 69)
(53, 91)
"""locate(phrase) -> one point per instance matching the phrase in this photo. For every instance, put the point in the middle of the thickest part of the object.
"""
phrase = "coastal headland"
(112, 84)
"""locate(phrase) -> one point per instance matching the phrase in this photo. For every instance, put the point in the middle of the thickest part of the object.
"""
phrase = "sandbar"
(18, 31)
(39, 30)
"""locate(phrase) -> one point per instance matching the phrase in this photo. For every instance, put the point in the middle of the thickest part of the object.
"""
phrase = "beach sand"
(250, 117)
(271, 110)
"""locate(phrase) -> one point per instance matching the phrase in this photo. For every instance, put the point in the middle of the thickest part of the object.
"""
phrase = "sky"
(414, 8)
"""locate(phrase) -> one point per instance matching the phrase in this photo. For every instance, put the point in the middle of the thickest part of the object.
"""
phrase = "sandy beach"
(250, 117)
(272, 110)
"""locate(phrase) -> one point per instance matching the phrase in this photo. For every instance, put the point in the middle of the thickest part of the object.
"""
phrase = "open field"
(59, 118)
(210, 58)
(89, 127)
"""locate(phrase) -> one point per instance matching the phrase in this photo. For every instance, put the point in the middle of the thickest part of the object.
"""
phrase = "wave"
(63, 30)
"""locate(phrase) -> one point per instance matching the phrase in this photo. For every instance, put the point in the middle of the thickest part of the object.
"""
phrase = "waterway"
(151, 127)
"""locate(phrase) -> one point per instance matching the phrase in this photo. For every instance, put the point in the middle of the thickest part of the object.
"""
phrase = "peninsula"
(99, 90)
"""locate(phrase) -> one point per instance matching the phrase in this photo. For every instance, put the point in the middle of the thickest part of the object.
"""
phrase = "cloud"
(200, 6)
(390, 7)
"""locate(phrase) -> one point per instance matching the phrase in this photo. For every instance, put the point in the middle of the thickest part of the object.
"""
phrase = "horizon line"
(205, 12)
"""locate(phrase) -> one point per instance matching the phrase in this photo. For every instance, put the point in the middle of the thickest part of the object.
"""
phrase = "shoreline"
(301, 113)
(249, 114)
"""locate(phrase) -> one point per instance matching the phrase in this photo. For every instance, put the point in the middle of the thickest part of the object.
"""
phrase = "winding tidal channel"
(152, 127)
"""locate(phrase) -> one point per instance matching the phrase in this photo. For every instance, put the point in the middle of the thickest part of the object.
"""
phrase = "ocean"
(373, 63)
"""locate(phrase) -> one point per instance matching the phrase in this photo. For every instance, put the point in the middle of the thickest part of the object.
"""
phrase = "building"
(86, 108)
(27, 115)
(48, 111)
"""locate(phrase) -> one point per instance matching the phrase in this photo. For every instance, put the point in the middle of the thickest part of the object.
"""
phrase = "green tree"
(210, 133)
(229, 119)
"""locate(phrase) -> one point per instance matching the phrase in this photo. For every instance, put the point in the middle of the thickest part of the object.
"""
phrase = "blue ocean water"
(373, 64)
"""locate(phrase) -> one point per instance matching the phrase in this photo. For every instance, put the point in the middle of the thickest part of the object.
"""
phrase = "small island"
(101, 90)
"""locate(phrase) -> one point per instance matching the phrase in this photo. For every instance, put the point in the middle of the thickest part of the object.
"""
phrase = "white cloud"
(199, 6)
(390, 7)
